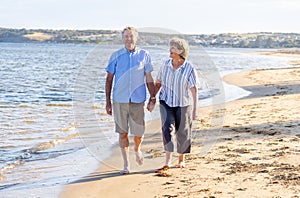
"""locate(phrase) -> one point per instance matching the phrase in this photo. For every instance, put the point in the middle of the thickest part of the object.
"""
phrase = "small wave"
(71, 128)
(98, 107)
(208, 93)
(6, 106)
(7, 186)
(43, 146)
(58, 105)
(2, 177)
(47, 145)
(6, 147)
(24, 106)
(29, 121)
(66, 129)
(35, 153)
(11, 166)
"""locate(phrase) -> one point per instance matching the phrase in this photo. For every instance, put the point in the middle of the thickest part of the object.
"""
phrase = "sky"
(184, 16)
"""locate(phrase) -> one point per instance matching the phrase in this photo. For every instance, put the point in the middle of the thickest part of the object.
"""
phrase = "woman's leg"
(168, 121)
(183, 127)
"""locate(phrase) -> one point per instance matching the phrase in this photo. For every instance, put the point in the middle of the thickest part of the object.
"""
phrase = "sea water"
(53, 124)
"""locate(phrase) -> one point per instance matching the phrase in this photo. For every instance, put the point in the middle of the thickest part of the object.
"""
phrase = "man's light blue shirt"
(129, 69)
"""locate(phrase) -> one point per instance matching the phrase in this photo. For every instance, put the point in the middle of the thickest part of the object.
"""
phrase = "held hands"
(151, 104)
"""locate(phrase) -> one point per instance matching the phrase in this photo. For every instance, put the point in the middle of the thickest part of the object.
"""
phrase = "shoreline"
(254, 152)
(293, 53)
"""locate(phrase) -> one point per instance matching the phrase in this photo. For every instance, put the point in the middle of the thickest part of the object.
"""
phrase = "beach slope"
(255, 153)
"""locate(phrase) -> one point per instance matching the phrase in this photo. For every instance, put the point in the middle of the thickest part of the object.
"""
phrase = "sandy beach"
(254, 153)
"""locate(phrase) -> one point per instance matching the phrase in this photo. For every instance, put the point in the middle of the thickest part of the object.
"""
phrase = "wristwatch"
(153, 98)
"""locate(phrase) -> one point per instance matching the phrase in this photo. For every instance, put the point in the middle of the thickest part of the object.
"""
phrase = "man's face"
(129, 39)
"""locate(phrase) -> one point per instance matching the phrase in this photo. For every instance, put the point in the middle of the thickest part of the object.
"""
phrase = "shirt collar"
(181, 67)
(133, 51)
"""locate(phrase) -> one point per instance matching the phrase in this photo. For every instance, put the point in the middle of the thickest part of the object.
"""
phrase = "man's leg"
(137, 128)
(137, 141)
(124, 145)
(139, 155)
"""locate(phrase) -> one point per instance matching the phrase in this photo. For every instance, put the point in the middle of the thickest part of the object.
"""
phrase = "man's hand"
(108, 109)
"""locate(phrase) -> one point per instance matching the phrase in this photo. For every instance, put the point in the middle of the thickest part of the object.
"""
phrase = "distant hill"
(158, 30)
(152, 36)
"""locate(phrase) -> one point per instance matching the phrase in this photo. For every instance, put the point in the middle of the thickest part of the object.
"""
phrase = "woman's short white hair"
(182, 45)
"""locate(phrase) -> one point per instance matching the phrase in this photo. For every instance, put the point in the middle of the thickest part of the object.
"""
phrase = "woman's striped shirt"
(175, 85)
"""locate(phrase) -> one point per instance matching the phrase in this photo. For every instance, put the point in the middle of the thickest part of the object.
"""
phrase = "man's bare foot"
(125, 171)
(139, 158)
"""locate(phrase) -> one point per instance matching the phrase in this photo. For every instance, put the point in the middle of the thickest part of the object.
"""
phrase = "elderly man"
(130, 68)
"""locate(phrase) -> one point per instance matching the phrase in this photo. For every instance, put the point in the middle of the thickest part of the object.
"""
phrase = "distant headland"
(148, 37)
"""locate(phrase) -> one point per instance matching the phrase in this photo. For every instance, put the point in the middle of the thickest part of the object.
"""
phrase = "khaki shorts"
(129, 117)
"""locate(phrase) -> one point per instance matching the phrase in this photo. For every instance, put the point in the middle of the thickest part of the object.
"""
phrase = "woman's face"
(174, 51)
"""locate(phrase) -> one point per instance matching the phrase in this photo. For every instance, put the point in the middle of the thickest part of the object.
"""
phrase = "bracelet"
(153, 98)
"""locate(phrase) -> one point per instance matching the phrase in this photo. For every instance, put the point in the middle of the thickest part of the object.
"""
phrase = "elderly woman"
(177, 82)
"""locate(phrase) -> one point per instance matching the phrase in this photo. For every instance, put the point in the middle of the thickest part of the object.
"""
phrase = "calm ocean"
(53, 124)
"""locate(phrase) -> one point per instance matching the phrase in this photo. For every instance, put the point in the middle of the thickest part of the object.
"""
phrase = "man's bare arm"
(108, 88)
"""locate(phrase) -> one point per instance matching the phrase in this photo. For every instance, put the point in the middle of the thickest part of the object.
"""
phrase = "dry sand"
(255, 152)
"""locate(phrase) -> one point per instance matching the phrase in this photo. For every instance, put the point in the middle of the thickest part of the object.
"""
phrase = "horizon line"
(168, 29)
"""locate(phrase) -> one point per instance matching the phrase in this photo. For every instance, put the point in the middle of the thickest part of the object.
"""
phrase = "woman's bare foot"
(164, 168)
(180, 165)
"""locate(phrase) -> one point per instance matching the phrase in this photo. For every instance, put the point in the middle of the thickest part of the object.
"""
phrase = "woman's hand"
(151, 104)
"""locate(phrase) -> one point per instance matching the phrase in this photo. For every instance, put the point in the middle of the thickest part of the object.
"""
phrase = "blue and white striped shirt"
(175, 85)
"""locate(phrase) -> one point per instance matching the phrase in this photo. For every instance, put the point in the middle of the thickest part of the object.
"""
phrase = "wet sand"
(255, 152)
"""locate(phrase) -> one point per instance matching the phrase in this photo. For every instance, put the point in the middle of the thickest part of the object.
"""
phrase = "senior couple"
(128, 74)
